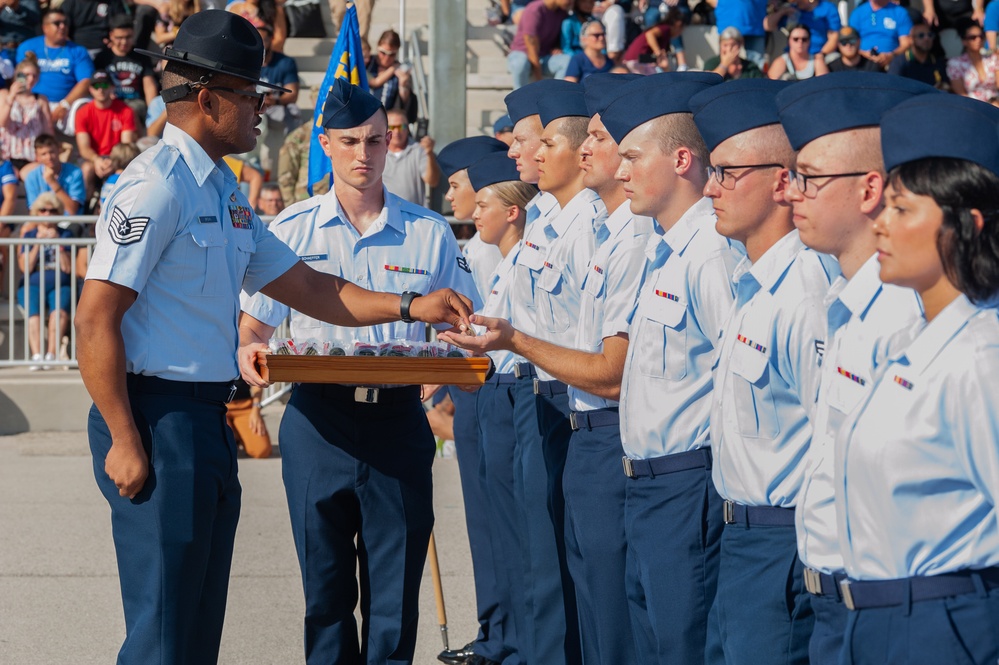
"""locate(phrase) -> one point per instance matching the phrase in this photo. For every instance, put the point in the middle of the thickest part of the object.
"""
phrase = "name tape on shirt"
(125, 230)
(208, 219)
(408, 271)
(313, 257)
(241, 216)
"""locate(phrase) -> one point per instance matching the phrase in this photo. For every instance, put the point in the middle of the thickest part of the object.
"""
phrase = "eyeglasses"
(58, 23)
(100, 85)
(801, 39)
(598, 35)
(390, 54)
(851, 41)
(923, 35)
(252, 94)
(49, 211)
(397, 128)
(719, 173)
(975, 37)
(801, 180)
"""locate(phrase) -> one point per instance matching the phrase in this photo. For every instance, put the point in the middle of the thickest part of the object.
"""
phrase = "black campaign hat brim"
(194, 61)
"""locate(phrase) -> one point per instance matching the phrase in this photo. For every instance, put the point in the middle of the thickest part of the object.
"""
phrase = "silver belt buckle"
(729, 512)
(366, 395)
(629, 470)
(516, 370)
(573, 423)
(537, 386)
(844, 587)
(813, 581)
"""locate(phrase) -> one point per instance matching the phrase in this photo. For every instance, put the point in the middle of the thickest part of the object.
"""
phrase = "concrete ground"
(59, 596)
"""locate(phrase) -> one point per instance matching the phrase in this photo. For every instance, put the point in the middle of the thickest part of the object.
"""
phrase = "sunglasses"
(848, 42)
(58, 23)
(923, 35)
(976, 37)
(49, 211)
(252, 94)
(801, 39)
(397, 128)
(391, 54)
(101, 85)
(598, 35)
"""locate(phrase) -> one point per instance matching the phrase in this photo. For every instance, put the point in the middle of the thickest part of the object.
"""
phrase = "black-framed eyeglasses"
(801, 180)
(252, 94)
(59, 22)
(49, 211)
(722, 173)
(598, 34)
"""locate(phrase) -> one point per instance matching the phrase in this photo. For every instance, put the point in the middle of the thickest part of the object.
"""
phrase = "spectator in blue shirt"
(593, 58)
(64, 180)
(572, 26)
(8, 198)
(992, 24)
(747, 17)
(820, 17)
(884, 30)
(66, 68)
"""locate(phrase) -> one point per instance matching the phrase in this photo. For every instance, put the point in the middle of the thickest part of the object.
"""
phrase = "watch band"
(404, 304)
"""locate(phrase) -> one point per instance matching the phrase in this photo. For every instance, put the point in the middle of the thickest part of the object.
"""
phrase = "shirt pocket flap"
(845, 392)
(594, 282)
(749, 363)
(667, 312)
(550, 278)
(207, 235)
(532, 258)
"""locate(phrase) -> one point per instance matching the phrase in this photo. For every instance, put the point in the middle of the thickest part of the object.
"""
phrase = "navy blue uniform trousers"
(468, 448)
(501, 440)
(553, 424)
(826, 643)
(357, 469)
(546, 636)
(174, 539)
(673, 525)
(762, 613)
(596, 552)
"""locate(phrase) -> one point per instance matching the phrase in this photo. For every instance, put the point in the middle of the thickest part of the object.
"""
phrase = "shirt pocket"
(551, 306)
(206, 260)
(594, 284)
(531, 258)
(665, 340)
(754, 400)
(410, 279)
(246, 246)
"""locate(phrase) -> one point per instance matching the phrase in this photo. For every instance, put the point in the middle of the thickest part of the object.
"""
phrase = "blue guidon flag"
(125, 231)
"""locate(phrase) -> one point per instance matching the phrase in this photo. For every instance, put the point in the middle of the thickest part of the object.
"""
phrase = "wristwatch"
(404, 304)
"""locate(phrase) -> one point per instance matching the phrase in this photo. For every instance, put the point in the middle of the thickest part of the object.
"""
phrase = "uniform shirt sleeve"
(969, 402)
(264, 308)
(804, 332)
(131, 264)
(271, 259)
(625, 270)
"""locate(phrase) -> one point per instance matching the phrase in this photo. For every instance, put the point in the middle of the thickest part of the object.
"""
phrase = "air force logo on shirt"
(125, 231)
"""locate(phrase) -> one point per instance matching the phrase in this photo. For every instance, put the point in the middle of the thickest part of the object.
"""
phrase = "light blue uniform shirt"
(407, 248)
(917, 463)
(767, 374)
(609, 289)
(558, 275)
(482, 260)
(540, 210)
(178, 232)
(498, 305)
(862, 315)
(683, 301)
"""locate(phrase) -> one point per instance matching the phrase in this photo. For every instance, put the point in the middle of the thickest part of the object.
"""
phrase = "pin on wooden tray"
(373, 370)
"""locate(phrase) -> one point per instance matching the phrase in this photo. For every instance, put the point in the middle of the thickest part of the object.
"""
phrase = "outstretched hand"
(498, 335)
(443, 306)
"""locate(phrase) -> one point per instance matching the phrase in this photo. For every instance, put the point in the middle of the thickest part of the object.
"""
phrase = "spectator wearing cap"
(593, 486)
(503, 129)
(821, 17)
(836, 193)
(487, 485)
(593, 58)
(770, 349)
(101, 124)
(535, 52)
(411, 165)
(971, 73)
(65, 68)
(331, 435)
(798, 63)
(746, 16)
(729, 63)
(884, 29)
(850, 58)
(919, 62)
(131, 73)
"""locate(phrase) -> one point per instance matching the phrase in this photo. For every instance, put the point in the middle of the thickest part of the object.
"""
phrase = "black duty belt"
(213, 391)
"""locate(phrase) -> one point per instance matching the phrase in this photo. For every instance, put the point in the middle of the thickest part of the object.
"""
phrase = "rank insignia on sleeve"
(463, 264)
(820, 348)
(125, 231)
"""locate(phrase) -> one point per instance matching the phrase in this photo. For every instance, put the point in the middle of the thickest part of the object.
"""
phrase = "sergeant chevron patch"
(125, 231)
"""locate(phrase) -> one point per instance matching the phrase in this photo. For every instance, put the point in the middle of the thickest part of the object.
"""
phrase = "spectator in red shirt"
(535, 51)
(101, 125)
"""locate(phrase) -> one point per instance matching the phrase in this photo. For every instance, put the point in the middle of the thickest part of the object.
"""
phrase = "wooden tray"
(367, 371)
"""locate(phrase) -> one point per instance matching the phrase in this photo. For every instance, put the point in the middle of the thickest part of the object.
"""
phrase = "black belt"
(524, 371)
(736, 513)
(660, 466)
(822, 584)
(213, 391)
(591, 420)
(890, 593)
(502, 379)
(549, 388)
(362, 394)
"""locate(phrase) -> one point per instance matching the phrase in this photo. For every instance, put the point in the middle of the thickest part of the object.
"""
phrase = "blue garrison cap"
(491, 169)
(653, 96)
(563, 105)
(348, 106)
(935, 125)
(722, 111)
(503, 124)
(602, 89)
(462, 153)
(841, 100)
(523, 102)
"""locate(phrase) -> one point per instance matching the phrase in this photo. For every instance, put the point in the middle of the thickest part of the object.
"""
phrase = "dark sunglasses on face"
(49, 211)
(848, 42)
(923, 35)
(102, 85)
(252, 94)
(974, 37)
(57, 23)
(800, 39)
